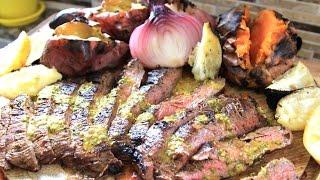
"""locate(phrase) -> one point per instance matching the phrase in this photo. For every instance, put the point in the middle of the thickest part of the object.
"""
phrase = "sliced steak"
(158, 87)
(171, 106)
(19, 150)
(58, 127)
(130, 81)
(38, 125)
(78, 121)
(277, 169)
(93, 155)
(224, 117)
(4, 124)
(224, 159)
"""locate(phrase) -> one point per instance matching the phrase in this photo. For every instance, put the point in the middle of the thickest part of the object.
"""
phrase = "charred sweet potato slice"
(256, 53)
(266, 33)
(243, 42)
(121, 24)
(78, 48)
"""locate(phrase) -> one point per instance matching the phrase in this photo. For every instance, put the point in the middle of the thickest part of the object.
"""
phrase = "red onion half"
(166, 39)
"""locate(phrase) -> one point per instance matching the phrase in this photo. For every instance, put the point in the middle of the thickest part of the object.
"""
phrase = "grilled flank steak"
(19, 149)
(158, 87)
(277, 169)
(171, 142)
(99, 127)
(228, 158)
(171, 106)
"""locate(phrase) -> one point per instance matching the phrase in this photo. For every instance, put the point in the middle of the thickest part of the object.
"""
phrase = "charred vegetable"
(207, 56)
(255, 55)
(78, 48)
(166, 39)
(119, 18)
(295, 78)
(294, 109)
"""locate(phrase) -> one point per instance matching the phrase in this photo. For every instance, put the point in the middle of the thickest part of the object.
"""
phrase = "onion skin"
(166, 39)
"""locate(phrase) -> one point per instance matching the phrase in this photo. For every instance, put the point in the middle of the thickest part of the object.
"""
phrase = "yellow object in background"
(20, 12)
(311, 135)
(10, 9)
(15, 54)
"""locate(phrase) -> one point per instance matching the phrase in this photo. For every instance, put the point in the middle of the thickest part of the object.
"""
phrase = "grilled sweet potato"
(258, 52)
(78, 48)
(73, 57)
(120, 25)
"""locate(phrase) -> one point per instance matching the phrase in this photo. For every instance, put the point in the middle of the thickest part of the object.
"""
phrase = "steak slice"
(130, 81)
(78, 121)
(219, 118)
(224, 117)
(58, 131)
(159, 86)
(277, 169)
(19, 150)
(228, 158)
(4, 124)
(171, 106)
(94, 155)
(38, 126)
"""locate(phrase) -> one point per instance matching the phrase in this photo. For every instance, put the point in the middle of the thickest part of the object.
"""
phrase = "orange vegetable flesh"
(243, 42)
(266, 32)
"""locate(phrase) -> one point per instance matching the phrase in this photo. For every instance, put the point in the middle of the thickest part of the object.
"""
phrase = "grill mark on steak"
(60, 135)
(4, 124)
(159, 86)
(130, 80)
(277, 169)
(38, 125)
(156, 138)
(171, 106)
(78, 121)
(94, 156)
(224, 117)
(231, 157)
(19, 150)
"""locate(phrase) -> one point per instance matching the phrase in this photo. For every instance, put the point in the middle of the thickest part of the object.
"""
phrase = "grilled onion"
(166, 39)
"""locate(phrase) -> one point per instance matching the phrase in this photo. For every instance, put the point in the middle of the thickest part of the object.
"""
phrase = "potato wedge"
(293, 110)
(15, 54)
(29, 80)
(311, 135)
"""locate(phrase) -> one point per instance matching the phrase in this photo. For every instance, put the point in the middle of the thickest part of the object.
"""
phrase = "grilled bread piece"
(228, 158)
